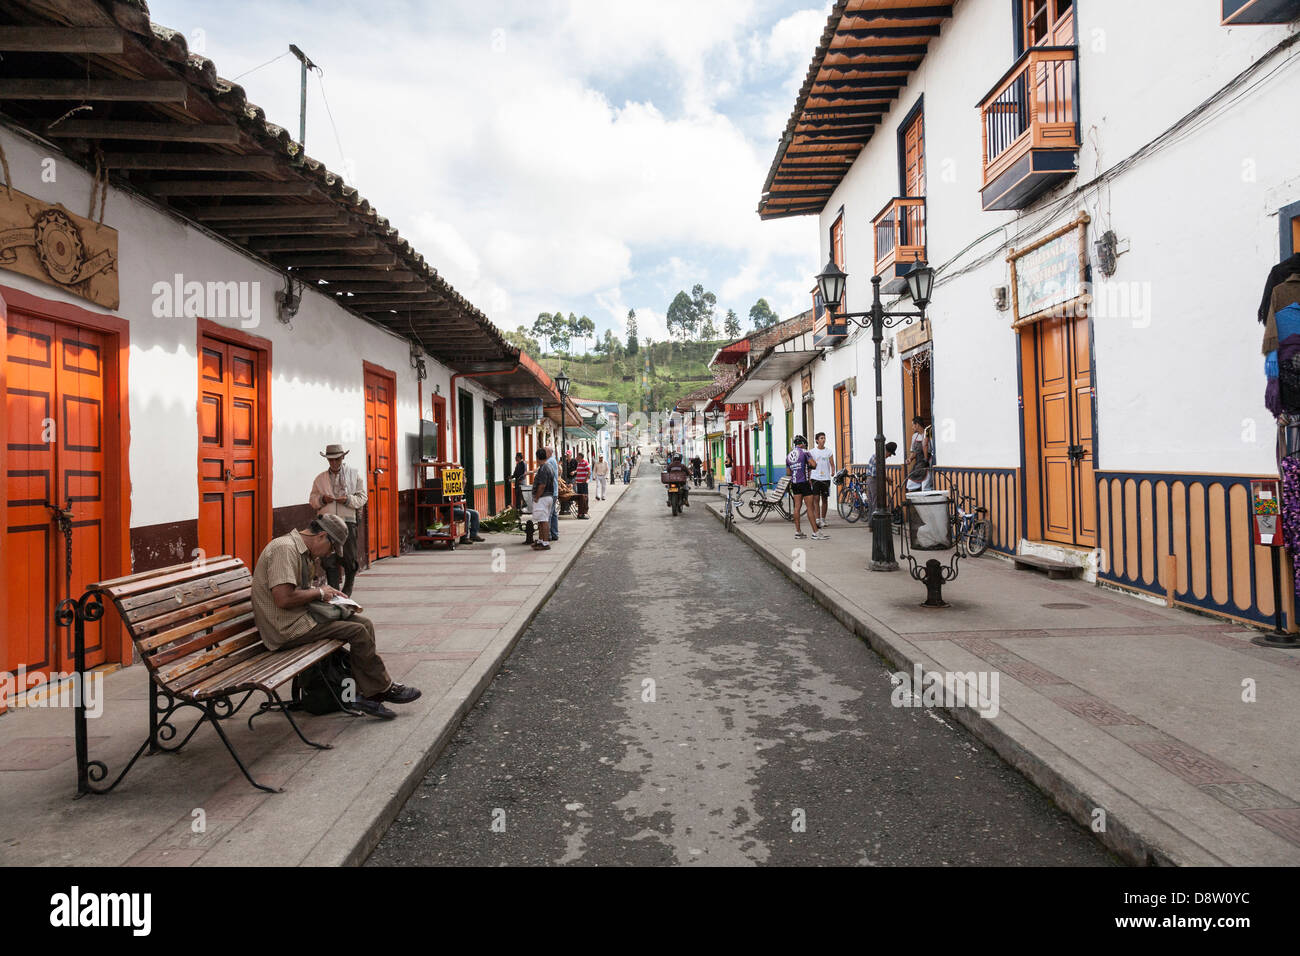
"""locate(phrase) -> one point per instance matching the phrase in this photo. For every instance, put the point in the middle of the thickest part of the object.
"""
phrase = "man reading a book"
(282, 608)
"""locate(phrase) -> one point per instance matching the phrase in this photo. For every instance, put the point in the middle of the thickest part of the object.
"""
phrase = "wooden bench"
(773, 497)
(193, 628)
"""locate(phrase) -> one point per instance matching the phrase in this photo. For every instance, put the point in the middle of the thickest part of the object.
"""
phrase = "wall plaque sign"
(46, 242)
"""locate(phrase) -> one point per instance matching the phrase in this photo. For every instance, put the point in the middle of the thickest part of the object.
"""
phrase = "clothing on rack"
(1277, 274)
(1290, 469)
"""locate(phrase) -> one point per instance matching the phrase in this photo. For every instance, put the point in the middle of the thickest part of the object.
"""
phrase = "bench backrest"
(188, 624)
(778, 490)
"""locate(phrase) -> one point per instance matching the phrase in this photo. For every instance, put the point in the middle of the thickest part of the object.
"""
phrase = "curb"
(428, 740)
(1132, 833)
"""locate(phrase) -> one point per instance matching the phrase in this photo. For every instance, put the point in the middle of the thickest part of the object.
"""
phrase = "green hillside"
(653, 378)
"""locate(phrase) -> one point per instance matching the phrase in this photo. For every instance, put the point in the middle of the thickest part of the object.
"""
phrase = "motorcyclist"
(676, 472)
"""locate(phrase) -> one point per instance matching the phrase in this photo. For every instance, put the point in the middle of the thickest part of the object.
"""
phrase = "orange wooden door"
(843, 428)
(58, 402)
(1065, 431)
(914, 158)
(231, 452)
(381, 486)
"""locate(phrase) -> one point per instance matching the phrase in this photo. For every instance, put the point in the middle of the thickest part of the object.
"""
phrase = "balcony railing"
(1032, 107)
(900, 234)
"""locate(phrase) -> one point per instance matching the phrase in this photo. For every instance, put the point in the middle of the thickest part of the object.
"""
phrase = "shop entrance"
(381, 462)
(234, 493)
(1059, 429)
(63, 446)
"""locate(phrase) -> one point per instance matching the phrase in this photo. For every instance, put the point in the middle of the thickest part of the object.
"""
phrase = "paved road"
(679, 701)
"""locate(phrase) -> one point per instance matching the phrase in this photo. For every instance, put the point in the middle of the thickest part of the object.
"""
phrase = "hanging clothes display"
(1290, 468)
(1281, 345)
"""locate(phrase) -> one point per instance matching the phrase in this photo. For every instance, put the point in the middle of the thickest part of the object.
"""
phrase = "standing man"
(918, 457)
(870, 486)
(543, 501)
(553, 476)
(798, 465)
(339, 491)
(281, 596)
(517, 479)
(824, 461)
(602, 477)
(581, 475)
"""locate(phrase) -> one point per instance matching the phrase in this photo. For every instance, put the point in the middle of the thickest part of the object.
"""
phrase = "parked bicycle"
(971, 530)
(730, 492)
(855, 498)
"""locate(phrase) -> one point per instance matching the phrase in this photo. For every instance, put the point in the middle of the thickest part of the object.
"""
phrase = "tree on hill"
(702, 307)
(581, 327)
(707, 332)
(526, 343)
(632, 344)
(731, 325)
(762, 315)
(546, 329)
(681, 316)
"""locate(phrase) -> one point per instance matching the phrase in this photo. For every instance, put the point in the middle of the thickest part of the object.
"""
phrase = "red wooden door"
(231, 450)
(914, 158)
(1065, 431)
(381, 484)
(58, 402)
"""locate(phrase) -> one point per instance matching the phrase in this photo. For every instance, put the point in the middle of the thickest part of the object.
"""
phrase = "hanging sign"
(1048, 276)
(50, 244)
(453, 481)
(518, 411)
(786, 398)
(1265, 499)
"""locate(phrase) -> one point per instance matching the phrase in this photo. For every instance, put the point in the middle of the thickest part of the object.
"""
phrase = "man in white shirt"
(824, 461)
(601, 474)
(340, 491)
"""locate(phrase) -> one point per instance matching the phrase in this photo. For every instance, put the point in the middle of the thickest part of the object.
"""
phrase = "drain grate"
(1065, 607)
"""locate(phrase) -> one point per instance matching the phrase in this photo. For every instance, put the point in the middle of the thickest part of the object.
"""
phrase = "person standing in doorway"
(824, 459)
(602, 477)
(339, 491)
(517, 479)
(798, 465)
(918, 456)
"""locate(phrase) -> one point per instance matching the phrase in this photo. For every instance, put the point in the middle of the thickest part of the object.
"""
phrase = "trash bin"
(927, 520)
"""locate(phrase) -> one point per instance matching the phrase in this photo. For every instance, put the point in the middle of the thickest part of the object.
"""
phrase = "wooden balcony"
(1031, 128)
(900, 240)
(1260, 11)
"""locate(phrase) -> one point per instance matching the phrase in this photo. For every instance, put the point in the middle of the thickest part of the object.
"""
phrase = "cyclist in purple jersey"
(798, 465)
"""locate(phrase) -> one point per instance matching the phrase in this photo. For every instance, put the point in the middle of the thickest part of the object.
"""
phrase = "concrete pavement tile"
(493, 614)
(1285, 823)
(41, 753)
(174, 856)
(1249, 796)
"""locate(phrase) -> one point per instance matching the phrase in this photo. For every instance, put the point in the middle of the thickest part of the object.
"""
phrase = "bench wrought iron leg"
(275, 702)
(216, 725)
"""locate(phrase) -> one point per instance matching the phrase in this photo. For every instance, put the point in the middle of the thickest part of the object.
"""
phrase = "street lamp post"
(920, 283)
(562, 383)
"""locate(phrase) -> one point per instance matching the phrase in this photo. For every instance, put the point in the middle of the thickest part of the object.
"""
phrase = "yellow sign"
(453, 481)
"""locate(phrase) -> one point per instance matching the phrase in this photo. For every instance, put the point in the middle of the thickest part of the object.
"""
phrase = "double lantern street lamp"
(920, 283)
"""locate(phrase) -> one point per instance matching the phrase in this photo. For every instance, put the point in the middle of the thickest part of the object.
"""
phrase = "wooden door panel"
(55, 395)
(381, 479)
(1085, 494)
(231, 456)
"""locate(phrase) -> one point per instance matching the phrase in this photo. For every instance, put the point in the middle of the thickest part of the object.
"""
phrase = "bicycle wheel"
(784, 507)
(977, 538)
(749, 503)
(848, 508)
(728, 519)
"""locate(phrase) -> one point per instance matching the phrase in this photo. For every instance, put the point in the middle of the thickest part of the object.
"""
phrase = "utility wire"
(320, 78)
(256, 68)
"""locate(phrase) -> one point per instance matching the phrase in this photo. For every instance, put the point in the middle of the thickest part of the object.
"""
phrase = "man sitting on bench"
(281, 592)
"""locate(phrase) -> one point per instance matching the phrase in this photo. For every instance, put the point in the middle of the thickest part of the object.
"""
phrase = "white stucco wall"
(317, 392)
(1179, 385)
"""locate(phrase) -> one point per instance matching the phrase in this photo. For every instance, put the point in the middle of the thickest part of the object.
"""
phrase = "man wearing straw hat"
(340, 490)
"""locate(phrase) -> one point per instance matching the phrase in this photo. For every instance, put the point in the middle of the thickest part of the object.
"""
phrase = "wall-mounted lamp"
(417, 362)
(999, 293)
(288, 300)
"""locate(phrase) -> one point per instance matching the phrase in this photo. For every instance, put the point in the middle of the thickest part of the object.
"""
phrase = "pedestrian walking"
(890, 448)
(517, 479)
(553, 476)
(824, 459)
(581, 477)
(728, 469)
(602, 477)
(695, 470)
(798, 464)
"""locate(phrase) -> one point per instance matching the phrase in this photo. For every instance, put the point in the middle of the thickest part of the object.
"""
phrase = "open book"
(342, 600)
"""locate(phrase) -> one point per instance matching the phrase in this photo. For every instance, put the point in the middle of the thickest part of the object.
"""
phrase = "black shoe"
(464, 539)
(373, 708)
(477, 540)
(401, 694)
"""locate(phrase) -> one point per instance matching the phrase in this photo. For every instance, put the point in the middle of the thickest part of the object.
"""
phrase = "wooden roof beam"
(152, 132)
(116, 91)
(889, 33)
(337, 259)
(206, 187)
(208, 162)
(901, 13)
(60, 40)
(244, 213)
(312, 244)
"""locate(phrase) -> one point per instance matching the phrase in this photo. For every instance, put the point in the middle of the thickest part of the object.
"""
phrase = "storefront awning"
(775, 367)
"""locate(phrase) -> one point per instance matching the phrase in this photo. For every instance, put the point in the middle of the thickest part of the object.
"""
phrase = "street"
(679, 701)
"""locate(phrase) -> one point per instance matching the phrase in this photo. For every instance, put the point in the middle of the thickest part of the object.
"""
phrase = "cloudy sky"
(589, 156)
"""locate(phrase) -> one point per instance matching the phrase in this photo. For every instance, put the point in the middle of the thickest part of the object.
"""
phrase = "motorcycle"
(678, 483)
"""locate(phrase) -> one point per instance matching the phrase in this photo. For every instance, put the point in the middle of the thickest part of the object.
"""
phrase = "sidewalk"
(1107, 702)
(445, 621)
